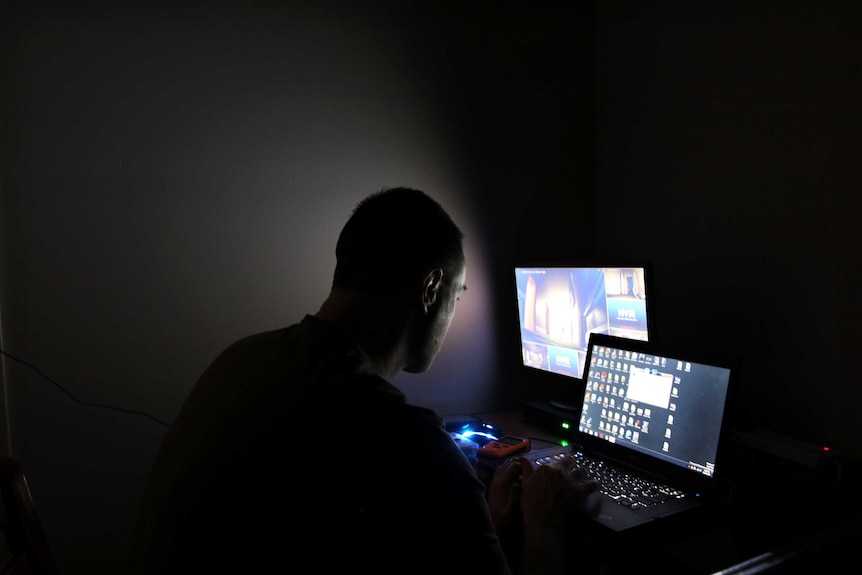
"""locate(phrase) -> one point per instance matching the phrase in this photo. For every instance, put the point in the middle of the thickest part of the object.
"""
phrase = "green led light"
(565, 425)
(564, 443)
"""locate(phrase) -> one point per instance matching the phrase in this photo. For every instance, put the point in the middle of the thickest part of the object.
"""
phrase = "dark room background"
(175, 179)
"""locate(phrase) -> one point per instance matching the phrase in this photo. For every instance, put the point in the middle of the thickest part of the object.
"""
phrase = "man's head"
(392, 238)
(401, 250)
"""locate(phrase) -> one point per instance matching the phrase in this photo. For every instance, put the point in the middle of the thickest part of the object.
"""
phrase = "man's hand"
(531, 504)
(552, 493)
(504, 495)
(542, 496)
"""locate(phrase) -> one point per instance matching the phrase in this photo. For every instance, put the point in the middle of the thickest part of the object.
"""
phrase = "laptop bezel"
(683, 478)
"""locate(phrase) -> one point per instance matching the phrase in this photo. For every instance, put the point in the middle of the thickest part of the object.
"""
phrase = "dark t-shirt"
(289, 453)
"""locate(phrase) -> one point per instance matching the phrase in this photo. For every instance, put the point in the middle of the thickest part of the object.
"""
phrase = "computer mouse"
(478, 432)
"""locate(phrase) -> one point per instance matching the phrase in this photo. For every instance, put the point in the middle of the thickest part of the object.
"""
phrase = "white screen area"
(649, 386)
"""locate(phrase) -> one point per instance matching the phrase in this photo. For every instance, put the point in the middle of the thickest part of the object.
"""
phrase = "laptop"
(655, 413)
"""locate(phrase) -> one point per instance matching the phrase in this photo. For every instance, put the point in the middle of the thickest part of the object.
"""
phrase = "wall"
(728, 155)
(176, 179)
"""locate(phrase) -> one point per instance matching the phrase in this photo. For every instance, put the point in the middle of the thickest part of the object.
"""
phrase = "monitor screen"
(559, 306)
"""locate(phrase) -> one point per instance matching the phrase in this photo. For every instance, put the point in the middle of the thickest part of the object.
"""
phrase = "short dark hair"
(392, 237)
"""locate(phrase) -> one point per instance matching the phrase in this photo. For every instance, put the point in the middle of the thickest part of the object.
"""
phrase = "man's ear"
(430, 286)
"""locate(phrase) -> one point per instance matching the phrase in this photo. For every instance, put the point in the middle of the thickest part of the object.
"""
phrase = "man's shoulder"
(282, 350)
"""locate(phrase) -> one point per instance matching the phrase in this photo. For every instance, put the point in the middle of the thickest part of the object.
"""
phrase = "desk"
(781, 517)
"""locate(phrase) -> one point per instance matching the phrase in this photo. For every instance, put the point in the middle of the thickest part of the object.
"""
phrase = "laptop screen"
(667, 406)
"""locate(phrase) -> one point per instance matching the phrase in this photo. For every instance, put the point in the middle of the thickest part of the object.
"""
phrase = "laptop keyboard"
(627, 489)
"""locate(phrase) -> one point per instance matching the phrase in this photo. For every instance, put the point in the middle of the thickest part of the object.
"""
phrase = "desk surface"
(781, 518)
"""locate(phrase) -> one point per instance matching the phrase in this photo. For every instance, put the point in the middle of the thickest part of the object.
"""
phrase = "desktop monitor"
(560, 305)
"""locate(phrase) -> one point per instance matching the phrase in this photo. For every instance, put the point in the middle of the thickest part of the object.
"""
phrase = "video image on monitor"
(559, 307)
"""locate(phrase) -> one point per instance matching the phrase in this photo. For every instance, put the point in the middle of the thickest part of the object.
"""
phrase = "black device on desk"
(547, 416)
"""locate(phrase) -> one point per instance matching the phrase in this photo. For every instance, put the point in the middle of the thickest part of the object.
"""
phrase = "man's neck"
(376, 325)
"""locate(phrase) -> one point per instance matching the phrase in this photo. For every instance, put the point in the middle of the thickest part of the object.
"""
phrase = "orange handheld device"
(505, 446)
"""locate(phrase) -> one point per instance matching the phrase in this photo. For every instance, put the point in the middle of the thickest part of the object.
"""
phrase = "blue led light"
(471, 433)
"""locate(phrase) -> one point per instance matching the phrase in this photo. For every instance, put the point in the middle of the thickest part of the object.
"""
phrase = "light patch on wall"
(193, 178)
